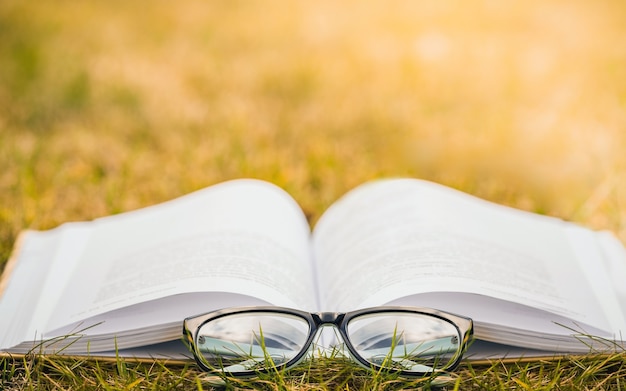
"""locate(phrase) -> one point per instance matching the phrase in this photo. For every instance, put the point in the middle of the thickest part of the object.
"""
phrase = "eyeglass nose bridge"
(327, 318)
(329, 333)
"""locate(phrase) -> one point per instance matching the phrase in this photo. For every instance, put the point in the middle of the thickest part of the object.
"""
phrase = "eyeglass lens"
(405, 341)
(247, 342)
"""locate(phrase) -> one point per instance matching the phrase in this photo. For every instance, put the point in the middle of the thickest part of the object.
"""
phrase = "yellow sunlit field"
(109, 106)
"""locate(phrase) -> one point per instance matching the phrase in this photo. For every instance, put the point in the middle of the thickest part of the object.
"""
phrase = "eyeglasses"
(249, 340)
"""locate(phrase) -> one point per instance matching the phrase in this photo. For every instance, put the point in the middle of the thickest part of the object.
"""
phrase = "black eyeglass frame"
(340, 320)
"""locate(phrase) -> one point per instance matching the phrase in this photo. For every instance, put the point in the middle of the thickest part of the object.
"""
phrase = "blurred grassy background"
(107, 106)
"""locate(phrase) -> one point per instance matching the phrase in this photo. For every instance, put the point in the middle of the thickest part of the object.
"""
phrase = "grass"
(110, 106)
(330, 373)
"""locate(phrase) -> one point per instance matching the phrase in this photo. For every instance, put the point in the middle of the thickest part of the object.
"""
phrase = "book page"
(391, 239)
(605, 274)
(244, 237)
(41, 261)
(615, 261)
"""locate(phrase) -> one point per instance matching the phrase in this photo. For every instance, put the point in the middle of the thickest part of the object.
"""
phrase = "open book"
(532, 284)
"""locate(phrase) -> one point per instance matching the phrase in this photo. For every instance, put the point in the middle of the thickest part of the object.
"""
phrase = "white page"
(396, 238)
(40, 265)
(605, 274)
(244, 237)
